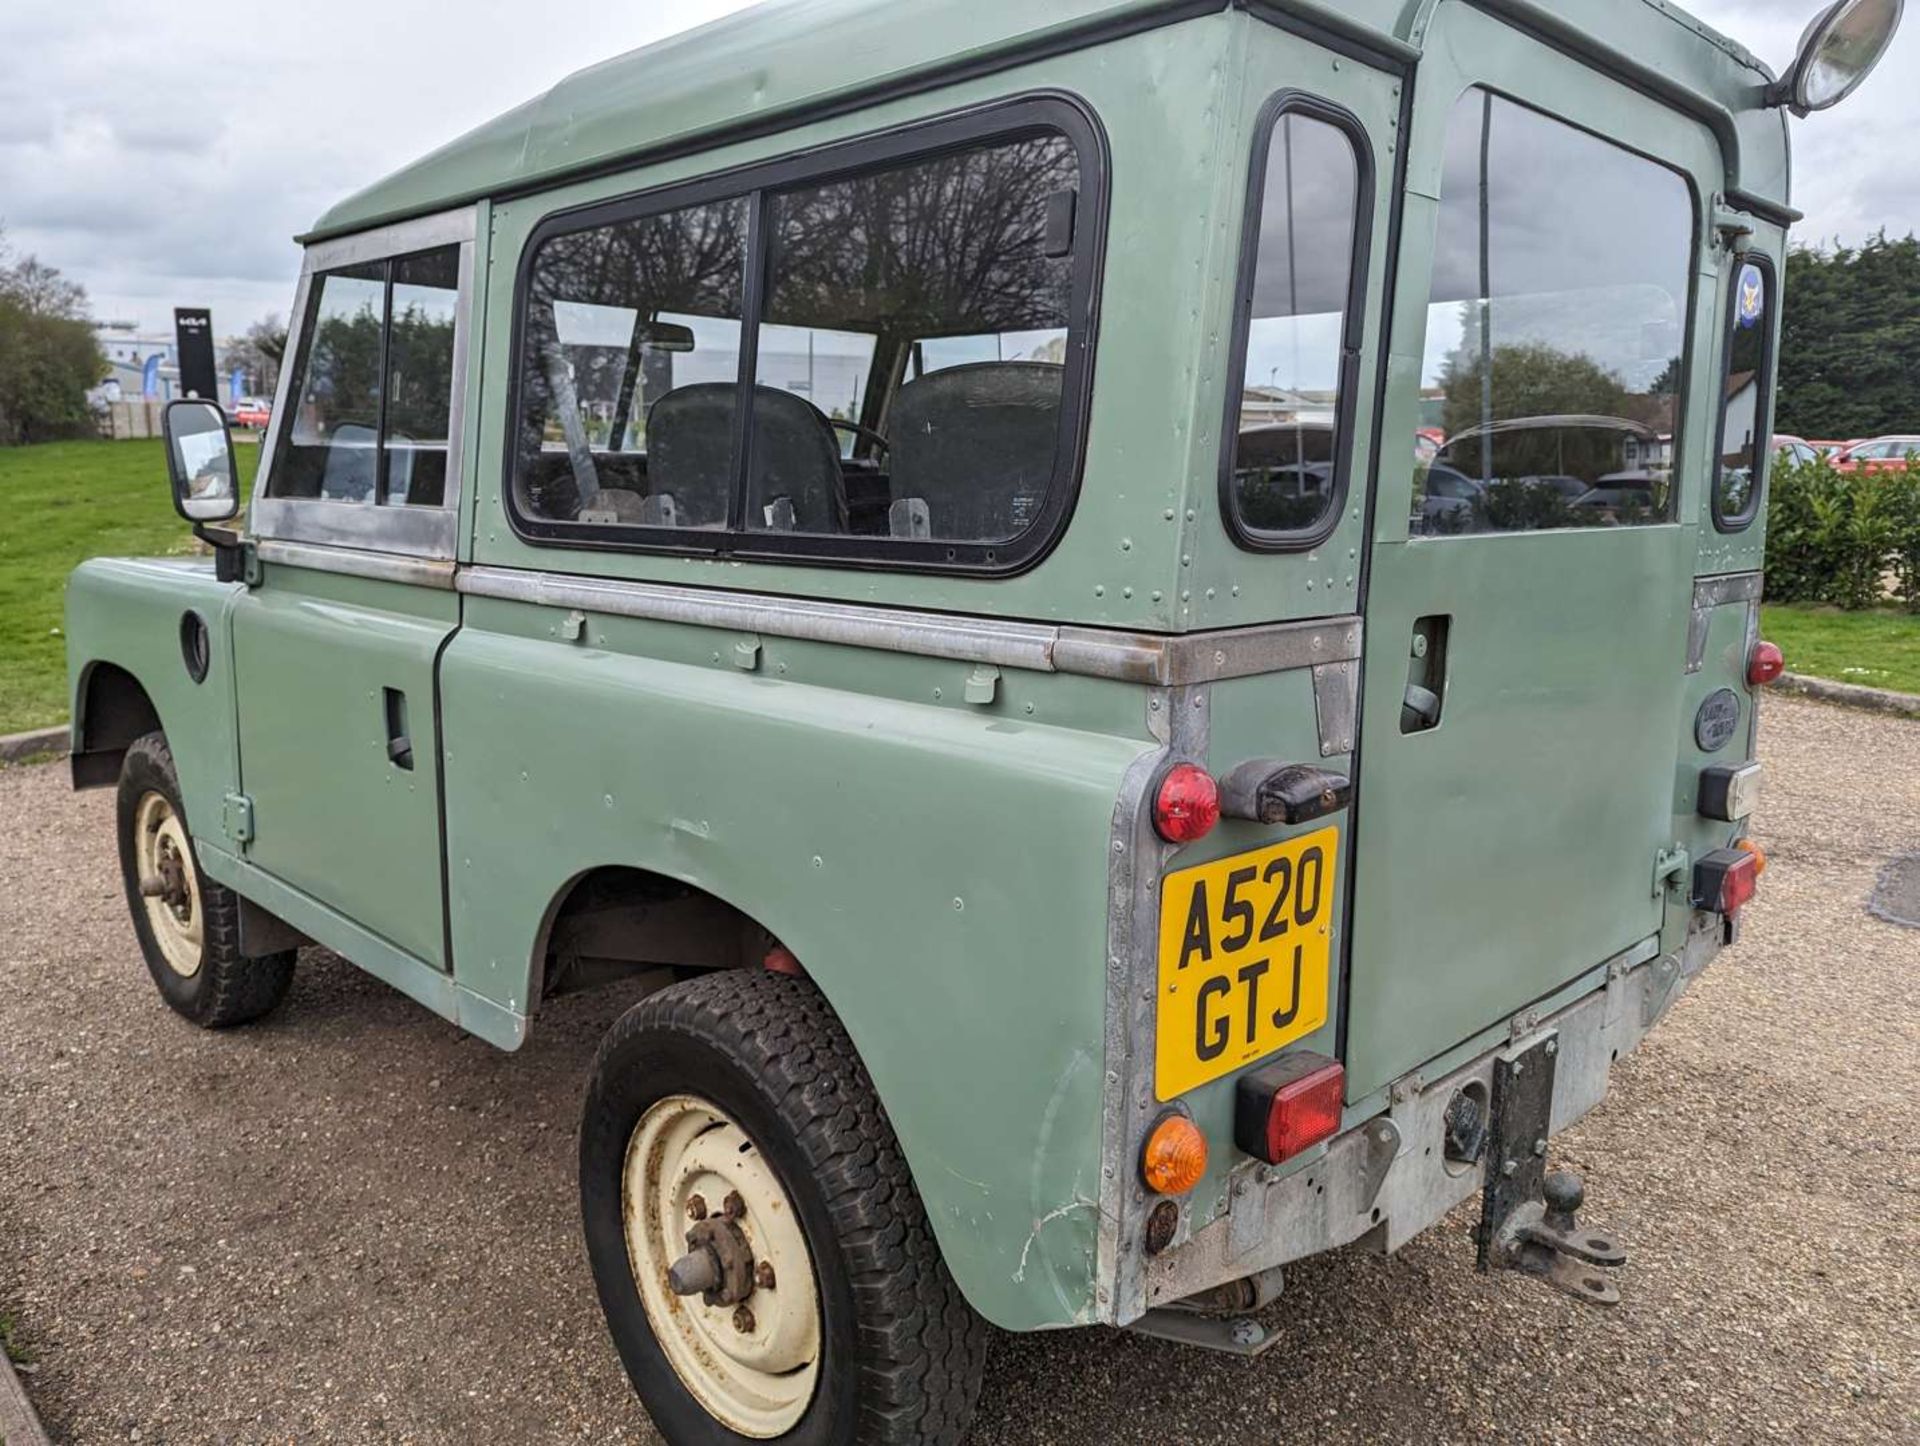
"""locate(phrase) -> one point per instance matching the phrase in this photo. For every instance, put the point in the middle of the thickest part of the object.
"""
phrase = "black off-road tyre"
(227, 988)
(901, 1350)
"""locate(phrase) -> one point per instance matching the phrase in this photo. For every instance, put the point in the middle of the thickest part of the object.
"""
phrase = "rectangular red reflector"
(1289, 1105)
(1724, 880)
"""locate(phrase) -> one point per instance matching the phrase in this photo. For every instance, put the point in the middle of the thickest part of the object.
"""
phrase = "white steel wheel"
(169, 884)
(695, 1190)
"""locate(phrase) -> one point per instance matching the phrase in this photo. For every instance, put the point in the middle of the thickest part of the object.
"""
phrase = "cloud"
(166, 155)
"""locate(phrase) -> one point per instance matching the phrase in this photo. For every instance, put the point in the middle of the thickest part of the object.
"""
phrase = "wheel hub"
(718, 1265)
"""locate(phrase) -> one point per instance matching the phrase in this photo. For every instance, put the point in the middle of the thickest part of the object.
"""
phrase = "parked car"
(253, 412)
(1794, 450)
(1877, 454)
(974, 824)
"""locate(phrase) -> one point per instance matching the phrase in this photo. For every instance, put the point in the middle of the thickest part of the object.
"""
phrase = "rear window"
(1298, 326)
(1556, 329)
(877, 359)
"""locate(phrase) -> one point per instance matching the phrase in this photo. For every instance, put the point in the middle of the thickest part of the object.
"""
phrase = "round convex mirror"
(1840, 49)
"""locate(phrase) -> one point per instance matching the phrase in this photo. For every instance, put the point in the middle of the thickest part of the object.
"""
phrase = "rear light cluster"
(1289, 1106)
(1765, 663)
(1186, 805)
(1726, 879)
(1730, 791)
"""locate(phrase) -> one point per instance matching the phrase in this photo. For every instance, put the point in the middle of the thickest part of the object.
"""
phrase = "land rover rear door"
(1528, 589)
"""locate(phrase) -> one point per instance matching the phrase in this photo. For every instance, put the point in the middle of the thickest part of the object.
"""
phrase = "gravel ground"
(352, 1223)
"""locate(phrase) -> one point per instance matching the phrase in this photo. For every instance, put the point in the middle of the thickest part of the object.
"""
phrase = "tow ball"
(1527, 1220)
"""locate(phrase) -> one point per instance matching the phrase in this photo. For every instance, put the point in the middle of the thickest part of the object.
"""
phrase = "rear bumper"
(1387, 1179)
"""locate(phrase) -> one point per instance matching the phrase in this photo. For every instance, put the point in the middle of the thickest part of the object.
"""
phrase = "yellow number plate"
(1245, 945)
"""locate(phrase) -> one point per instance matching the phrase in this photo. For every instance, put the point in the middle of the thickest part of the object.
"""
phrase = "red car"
(251, 412)
(1876, 454)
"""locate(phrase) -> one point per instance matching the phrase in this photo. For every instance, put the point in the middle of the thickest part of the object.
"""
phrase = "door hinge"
(239, 818)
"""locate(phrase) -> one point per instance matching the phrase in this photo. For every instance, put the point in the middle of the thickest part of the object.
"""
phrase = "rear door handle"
(1426, 695)
(399, 740)
(1424, 704)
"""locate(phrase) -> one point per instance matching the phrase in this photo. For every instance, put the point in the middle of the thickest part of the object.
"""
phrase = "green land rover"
(1133, 622)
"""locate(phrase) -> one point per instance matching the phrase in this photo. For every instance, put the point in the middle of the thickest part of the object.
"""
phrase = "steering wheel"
(866, 433)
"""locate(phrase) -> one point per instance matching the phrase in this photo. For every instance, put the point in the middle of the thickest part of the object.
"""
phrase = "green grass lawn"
(1876, 649)
(65, 502)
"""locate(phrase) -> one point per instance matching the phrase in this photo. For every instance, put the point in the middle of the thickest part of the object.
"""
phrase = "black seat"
(795, 482)
(977, 445)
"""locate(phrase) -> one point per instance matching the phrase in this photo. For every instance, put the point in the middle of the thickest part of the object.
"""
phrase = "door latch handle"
(399, 739)
(1426, 694)
(1424, 704)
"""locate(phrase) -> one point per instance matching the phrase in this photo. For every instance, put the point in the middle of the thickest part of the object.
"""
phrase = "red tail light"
(1766, 664)
(1293, 1103)
(1186, 806)
(1725, 880)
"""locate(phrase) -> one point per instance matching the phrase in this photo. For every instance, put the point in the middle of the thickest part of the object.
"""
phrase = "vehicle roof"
(755, 70)
(1568, 420)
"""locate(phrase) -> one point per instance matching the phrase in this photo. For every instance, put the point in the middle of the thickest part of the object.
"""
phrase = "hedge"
(1850, 539)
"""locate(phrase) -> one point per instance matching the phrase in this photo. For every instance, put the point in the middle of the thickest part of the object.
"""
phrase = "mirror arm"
(229, 551)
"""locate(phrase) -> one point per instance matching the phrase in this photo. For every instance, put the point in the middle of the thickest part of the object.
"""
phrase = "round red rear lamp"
(1766, 664)
(1186, 806)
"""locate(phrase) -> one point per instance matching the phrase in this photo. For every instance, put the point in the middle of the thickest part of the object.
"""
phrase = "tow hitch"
(1527, 1215)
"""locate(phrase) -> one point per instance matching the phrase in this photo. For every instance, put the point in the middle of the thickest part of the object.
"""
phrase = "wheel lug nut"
(763, 1275)
(733, 1206)
(743, 1320)
(696, 1208)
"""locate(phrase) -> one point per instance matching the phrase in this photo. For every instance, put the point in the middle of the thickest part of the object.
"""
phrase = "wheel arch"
(612, 918)
(111, 709)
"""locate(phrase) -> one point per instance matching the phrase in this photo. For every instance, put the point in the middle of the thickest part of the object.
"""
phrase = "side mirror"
(1838, 51)
(206, 483)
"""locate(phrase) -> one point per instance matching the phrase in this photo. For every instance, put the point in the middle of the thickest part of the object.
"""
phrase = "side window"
(916, 322)
(1298, 328)
(373, 385)
(1556, 328)
(629, 363)
(329, 449)
(419, 389)
(1746, 402)
(875, 352)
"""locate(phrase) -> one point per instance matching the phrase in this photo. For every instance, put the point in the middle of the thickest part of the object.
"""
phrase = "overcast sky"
(165, 155)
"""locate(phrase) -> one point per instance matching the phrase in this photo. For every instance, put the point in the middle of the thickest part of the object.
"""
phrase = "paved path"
(354, 1224)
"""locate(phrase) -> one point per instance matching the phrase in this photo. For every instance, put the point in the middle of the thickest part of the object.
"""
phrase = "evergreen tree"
(1850, 340)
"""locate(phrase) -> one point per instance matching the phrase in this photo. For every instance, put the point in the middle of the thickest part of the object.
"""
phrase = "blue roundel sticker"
(1750, 302)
